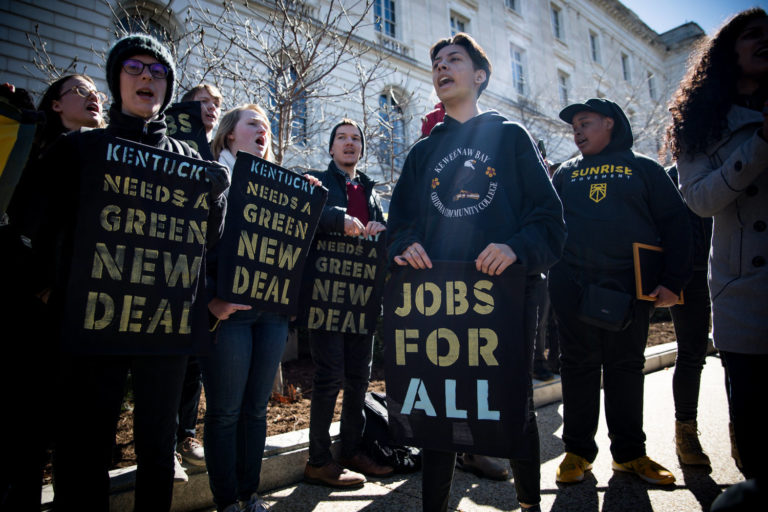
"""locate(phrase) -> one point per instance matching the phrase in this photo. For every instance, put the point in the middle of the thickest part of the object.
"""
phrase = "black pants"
(28, 385)
(84, 452)
(190, 400)
(747, 389)
(691, 321)
(437, 473)
(587, 354)
(341, 360)
(437, 466)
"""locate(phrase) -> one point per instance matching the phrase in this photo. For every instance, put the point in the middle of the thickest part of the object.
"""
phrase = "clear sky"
(662, 15)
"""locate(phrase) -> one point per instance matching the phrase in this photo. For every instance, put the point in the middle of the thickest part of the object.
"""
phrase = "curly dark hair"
(700, 106)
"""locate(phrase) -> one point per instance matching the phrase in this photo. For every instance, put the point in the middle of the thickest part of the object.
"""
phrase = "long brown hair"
(700, 106)
(227, 126)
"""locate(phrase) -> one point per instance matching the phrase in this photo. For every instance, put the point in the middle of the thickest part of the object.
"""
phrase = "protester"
(523, 224)
(140, 76)
(28, 374)
(188, 446)
(343, 360)
(719, 135)
(210, 98)
(612, 197)
(240, 368)
(480, 465)
(691, 322)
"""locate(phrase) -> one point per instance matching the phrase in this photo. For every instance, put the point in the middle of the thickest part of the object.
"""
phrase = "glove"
(218, 176)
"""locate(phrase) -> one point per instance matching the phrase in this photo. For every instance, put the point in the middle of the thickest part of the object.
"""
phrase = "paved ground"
(604, 490)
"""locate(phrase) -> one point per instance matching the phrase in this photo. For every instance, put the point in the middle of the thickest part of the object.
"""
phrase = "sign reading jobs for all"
(454, 361)
(135, 282)
(272, 215)
(343, 283)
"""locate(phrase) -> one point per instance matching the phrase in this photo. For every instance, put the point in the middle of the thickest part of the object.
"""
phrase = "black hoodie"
(471, 184)
(618, 197)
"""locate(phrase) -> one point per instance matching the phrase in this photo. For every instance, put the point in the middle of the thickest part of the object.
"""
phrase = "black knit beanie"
(138, 44)
(349, 122)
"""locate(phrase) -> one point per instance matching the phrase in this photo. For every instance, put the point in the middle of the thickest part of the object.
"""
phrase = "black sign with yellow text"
(272, 214)
(343, 283)
(135, 282)
(185, 122)
(455, 364)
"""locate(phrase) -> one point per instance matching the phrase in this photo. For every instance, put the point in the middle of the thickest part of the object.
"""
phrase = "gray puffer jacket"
(730, 183)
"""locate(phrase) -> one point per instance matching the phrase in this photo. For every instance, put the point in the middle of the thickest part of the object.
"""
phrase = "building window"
(384, 14)
(517, 57)
(140, 22)
(557, 22)
(458, 24)
(513, 5)
(651, 85)
(625, 70)
(391, 145)
(562, 87)
(594, 46)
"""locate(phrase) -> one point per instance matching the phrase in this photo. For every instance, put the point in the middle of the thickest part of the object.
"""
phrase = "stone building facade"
(545, 53)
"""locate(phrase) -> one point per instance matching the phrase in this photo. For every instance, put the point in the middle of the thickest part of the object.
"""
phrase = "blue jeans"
(238, 374)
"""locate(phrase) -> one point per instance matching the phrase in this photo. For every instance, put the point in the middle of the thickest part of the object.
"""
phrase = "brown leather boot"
(332, 475)
(482, 466)
(687, 443)
(364, 464)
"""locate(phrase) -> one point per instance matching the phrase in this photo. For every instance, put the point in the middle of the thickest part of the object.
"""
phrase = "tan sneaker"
(362, 463)
(650, 471)
(572, 468)
(179, 472)
(687, 444)
(332, 475)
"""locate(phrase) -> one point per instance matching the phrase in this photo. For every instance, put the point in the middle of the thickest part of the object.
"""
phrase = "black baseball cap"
(598, 105)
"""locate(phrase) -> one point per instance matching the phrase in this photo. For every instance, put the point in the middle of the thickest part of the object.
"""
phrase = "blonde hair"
(211, 89)
(227, 126)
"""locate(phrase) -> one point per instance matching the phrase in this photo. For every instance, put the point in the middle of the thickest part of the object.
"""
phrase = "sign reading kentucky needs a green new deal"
(135, 282)
(272, 214)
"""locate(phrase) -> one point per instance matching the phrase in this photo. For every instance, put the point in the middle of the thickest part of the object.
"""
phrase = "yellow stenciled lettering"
(453, 347)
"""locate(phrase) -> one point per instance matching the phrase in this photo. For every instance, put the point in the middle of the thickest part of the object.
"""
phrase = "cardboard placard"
(456, 374)
(343, 283)
(135, 282)
(272, 215)
(185, 122)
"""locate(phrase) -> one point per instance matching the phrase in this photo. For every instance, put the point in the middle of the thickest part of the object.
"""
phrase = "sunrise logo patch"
(597, 191)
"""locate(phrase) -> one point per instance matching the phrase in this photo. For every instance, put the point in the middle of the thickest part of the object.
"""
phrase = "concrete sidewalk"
(603, 490)
(286, 454)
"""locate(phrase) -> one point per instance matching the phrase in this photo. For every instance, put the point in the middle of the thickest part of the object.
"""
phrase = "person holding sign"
(210, 98)
(239, 370)
(343, 359)
(140, 74)
(719, 136)
(448, 205)
(612, 198)
(28, 370)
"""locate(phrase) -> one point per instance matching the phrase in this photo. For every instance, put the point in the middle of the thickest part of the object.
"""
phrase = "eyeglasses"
(85, 92)
(136, 67)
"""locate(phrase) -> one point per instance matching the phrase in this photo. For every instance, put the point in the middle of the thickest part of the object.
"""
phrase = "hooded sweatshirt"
(618, 197)
(471, 184)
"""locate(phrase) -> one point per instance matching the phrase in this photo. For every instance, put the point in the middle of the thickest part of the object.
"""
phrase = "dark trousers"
(691, 321)
(341, 360)
(190, 400)
(589, 353)
(747, 389)
(437, 469)
(28, 385)
(437, 466)
(96, 385)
